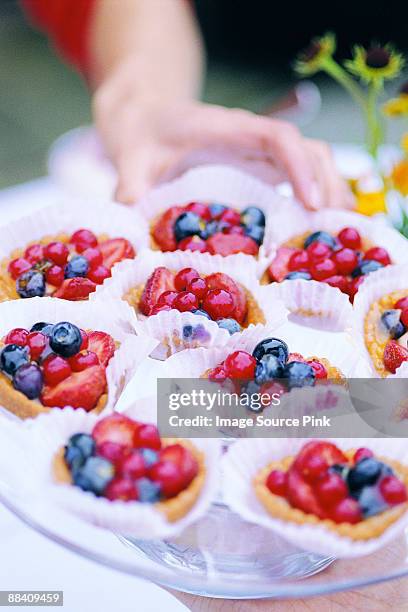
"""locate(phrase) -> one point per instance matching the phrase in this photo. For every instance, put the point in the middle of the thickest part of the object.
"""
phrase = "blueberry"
(73, 458)
(299, 374)
(365, 267)
(256, 232)
(296, 275)
(216, 210)
(391, 321)
(253, 216)
(202, 313)
(188, 224)
(94, 475)
(365, 472)
(148, 491)
(201, 334)
(44, 328)
(231, 325)
(371, 501)
(267, 368)
(187, 331)
(84, 442)
(77, 266)
(272, 346)
(211, 228)
(150, 456)
(30, 284)
(65, 339)
(29, 380)
(13, 357)
(320, 237)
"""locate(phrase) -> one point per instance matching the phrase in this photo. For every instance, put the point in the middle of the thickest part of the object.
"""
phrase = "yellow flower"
(370, 203)
(400, 176)
(398, 106)
(310, 60)
(376, 64)
(404, 143)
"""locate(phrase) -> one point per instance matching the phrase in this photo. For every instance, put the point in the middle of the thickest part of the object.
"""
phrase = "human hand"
(149, 140)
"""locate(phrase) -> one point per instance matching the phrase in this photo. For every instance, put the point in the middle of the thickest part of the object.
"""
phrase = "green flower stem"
(333, 69)
(375, 133)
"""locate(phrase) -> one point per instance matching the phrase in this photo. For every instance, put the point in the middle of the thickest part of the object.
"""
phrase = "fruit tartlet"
(67, 266)
(126, 460)
(342, 259)
(209, 228)
(53, 366)
(355, 493)
(381, 319)
(188, 300)
(342, 497)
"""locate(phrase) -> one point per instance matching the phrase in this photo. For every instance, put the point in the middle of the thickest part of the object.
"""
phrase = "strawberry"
(75, 289)
(116, 428)
(103, 345)
(163, 231)
(80, 390)
(325, 450)
(229, 244)
(394, 356)
(223, 281)
(279, 268)
(159, 281)
(113, 251)
(301, 495)
(183, 458)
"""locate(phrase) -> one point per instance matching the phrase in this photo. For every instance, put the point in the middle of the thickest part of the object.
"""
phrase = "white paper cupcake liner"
(374, 287)
(68, 216)
(169, 326)
(221, 184)
(314, 303)
(119, 324)
(239, 493)
(33, 446)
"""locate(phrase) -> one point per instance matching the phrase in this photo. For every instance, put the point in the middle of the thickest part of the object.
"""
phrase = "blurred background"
(250, 43)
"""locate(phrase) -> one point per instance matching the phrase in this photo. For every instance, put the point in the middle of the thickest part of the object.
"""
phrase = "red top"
(67, 23)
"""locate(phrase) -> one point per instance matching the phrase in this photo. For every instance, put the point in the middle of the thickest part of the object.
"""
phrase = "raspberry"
(241, 365)
(350, 238)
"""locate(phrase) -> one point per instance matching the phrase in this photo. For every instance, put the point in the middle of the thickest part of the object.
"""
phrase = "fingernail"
(315, 199)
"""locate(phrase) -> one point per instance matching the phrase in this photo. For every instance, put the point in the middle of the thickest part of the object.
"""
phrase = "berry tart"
(67, 266)
(271, 369)
(53, 366)
(123, 460)
(209, 228)
(216, 297)
(342, 259)
(354, 493)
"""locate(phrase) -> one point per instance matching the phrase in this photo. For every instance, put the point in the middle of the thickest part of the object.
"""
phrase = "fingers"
(334, 190)
(138, 170)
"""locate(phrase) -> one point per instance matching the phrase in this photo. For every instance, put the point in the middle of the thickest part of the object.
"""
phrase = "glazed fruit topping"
(323, 481)
(123, 459)
(270, 369)
(212, 228)
(335, 260)
(71, 270)
(216, 296)
(51, 363)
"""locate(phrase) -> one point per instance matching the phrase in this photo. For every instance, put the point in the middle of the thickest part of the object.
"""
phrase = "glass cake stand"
(220, 556)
